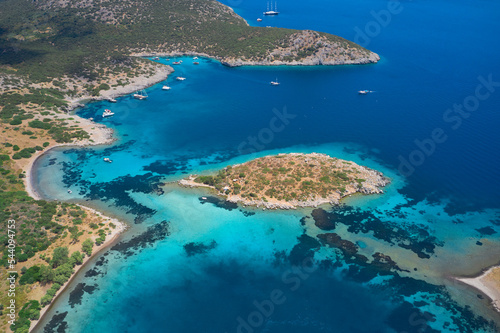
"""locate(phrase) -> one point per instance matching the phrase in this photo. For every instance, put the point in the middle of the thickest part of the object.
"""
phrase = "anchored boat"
(107, 113)
(272, 12)
(142, 95)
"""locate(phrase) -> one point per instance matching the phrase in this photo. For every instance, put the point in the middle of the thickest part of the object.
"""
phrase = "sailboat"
(272, 12)
(275, 83)
(142, 95)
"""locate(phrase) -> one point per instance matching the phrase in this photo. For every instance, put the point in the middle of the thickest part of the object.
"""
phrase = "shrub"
(40, 124)
(46, 300)
(46, 274)
(60, 256)
(76, 258)
(16, 121)
(87, 246)
(31, 276)
(104, 86)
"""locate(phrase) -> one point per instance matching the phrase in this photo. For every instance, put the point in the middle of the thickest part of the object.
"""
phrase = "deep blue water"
(216, 261)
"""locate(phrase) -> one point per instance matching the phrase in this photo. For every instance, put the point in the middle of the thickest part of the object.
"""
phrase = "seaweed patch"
(76, 295)
(57, 324)
(198, 248)
(152, 235)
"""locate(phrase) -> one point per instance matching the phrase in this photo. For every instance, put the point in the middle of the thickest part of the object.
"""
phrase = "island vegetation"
(293, 180)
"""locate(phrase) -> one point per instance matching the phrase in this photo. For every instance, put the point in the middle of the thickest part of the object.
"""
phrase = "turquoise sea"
(375, 264)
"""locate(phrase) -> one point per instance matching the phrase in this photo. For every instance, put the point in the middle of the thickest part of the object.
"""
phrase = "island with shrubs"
(288, 181)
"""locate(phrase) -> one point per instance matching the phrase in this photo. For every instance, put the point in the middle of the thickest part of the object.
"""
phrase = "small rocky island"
(288, 181)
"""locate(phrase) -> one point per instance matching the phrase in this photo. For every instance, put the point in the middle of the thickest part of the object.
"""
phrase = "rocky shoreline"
(321, 51)
(137, 83)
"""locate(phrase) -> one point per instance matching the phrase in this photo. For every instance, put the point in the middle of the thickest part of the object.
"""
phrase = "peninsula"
(488, 283)
(288, 181)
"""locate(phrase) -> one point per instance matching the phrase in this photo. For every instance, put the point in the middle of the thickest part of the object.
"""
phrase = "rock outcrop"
(310, 48)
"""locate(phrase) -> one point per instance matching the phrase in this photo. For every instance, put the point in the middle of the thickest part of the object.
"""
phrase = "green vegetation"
(30, 311)
(12, 114)
(294, 178)
(44, 40)
(87, 247)
(60, 257)
(26, 153)
(37, 225)
(57, 274)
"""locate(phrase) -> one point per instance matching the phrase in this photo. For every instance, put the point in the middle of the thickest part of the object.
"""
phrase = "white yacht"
(272, 12)
(106, 159)
(195, 58)
(112, 100)
(142, 95)
(275, 83)
(107, 113)
(165, 88)
(363, 92)
(259, 20)
(180, 78)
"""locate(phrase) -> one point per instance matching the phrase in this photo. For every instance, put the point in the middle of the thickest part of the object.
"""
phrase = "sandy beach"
(488, 283)
(99, 135)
